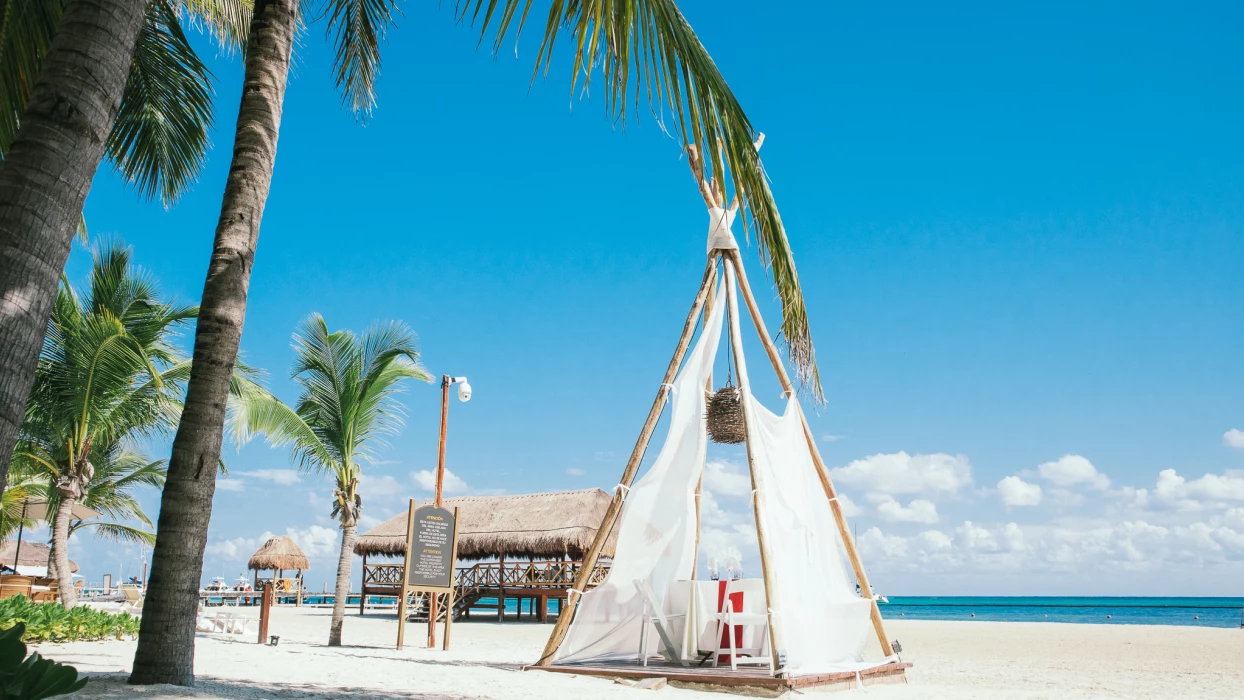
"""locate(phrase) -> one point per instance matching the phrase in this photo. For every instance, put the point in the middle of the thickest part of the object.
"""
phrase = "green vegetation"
(53, 622)
(32, 677)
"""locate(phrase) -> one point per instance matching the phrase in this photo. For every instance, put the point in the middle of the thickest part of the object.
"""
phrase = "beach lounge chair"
(223, 621)
(654, 616)
(753, 597)
(133, 599)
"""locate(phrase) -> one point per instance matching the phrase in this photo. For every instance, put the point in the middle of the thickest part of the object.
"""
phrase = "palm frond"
(160, 135)
(645, 49)
(117, 532)
(228, 21)
(26, 31)
(359, 27)
(254, 411)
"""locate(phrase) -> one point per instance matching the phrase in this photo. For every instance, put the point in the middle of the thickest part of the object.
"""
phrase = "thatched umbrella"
(549, 525)
(280, 554)
(33, 554)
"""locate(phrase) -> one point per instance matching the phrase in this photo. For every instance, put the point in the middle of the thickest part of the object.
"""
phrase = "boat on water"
(217, 585)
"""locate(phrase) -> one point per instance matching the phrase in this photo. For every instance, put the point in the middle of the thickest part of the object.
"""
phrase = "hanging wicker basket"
(725, 416)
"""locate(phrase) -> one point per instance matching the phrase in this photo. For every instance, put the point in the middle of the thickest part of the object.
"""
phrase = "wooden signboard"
(431, 552)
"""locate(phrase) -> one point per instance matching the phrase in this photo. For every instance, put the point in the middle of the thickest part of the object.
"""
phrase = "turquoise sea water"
(1199, 612)
(1202, 612)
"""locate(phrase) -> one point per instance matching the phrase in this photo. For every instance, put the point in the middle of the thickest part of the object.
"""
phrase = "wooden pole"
(821, 471)
(440, 484)
(777, 647)
(363, 586)
(401, 600)
(449, 604)
(265, 612)
(501, 588)
(708, 390)
(632, 466)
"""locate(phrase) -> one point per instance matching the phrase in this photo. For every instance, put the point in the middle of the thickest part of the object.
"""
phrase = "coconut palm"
(108, 373)
(636, 47)
(80, 80)
(347, 404)
(119, 473)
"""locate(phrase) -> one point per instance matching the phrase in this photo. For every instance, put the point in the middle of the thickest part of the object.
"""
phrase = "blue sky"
(1019, 232)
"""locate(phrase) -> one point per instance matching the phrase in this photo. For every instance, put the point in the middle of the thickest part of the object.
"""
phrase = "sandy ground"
(953, 660)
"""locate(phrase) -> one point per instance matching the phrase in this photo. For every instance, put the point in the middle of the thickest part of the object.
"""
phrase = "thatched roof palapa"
(33, 554)
(279, 553)
(535, 525)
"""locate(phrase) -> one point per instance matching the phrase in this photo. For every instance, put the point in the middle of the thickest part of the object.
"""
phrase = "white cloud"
(379, 488)
(230, 484)
(236, 548)
(833, 438)
(426, 480)
(1070, 470)
(574, 471)
(1209, 490)
(918, 511)
(901, 473)
(316, 540)
(1017, 492)
(726, 478)
(280, 477)
(1234, 438)
(849, 508)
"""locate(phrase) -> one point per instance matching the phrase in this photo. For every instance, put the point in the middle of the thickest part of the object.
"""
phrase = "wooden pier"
(536, 581)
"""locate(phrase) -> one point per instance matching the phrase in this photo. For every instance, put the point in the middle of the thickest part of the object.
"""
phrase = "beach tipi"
(818, 627)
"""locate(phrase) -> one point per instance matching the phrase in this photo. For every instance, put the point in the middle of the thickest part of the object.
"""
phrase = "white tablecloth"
(698, 600)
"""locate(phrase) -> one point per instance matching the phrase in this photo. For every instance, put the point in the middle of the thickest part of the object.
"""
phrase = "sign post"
(431, 552)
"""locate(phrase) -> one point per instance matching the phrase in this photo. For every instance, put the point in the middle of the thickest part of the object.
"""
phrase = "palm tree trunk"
(343, 583)
(45, 178)
(60, 552)
(165, 651)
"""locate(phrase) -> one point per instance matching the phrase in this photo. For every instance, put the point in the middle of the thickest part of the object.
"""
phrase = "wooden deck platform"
(746, 676)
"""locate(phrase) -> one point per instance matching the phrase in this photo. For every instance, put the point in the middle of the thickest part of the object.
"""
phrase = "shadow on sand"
(113, 685)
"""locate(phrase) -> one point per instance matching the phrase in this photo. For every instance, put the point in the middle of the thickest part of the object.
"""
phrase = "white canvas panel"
(656, 532)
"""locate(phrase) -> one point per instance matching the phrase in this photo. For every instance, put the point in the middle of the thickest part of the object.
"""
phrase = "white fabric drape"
(824, 625)
(656, 533)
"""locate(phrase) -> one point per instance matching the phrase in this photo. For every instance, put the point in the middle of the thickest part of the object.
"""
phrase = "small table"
(701, 601)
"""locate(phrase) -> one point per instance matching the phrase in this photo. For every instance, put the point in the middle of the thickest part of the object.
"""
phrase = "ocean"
(1197, 612)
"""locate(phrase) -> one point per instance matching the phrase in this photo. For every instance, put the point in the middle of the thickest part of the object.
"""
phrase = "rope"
(624, 489)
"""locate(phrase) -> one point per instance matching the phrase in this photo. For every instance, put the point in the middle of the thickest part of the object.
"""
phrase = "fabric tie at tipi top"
(720, 237)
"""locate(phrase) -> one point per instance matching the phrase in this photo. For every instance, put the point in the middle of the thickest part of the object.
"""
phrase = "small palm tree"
(108, 373)
(346, 405)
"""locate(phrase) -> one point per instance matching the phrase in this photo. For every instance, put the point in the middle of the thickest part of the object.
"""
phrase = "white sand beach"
(953, 660)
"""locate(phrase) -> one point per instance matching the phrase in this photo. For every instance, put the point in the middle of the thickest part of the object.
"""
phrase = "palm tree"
(639, 46)
(108, 373)
(346, 406)
(119, 472)
(68, 69)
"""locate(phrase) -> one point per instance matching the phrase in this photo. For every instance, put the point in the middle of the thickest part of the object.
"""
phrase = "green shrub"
(32, 677)
(51, 622)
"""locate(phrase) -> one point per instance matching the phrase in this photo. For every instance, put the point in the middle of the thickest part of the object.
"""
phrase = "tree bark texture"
(165, 651)
(45, 178)
(60, 552)
(343, 583)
